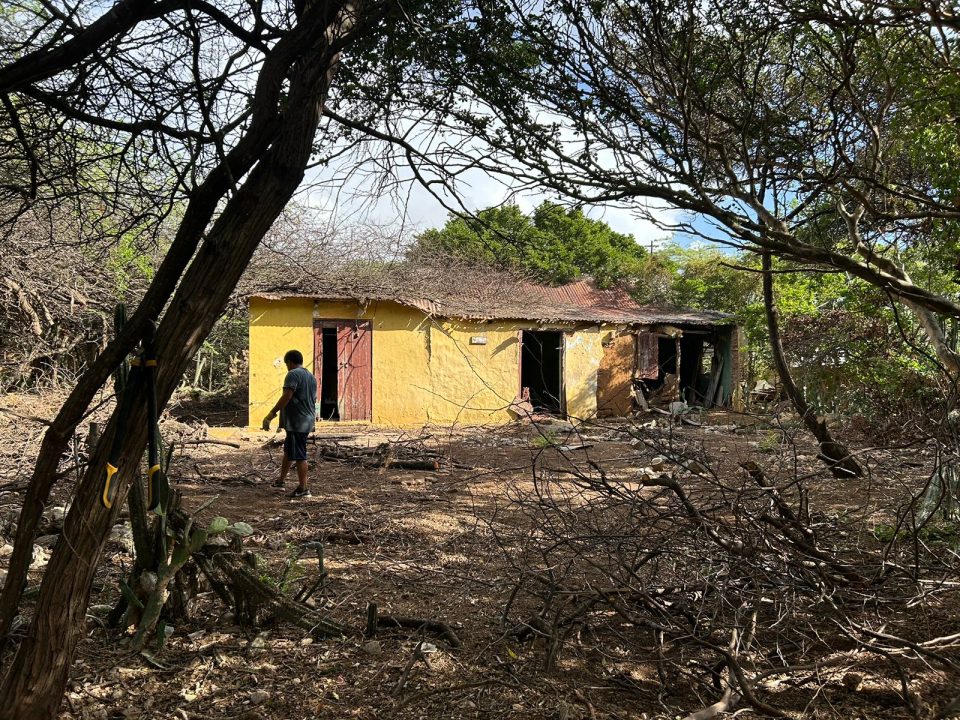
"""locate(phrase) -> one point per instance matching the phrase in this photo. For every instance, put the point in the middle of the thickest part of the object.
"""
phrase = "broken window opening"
(329, 380)
(541, 369)
(699, 375)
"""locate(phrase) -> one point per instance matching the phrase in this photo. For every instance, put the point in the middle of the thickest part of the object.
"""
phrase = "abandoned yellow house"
(479, 350)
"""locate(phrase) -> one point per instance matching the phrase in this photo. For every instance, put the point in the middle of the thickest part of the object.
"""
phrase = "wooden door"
(354, 366)
(355, 370)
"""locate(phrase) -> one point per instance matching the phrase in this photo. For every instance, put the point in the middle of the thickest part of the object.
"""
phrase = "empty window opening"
(541, 369)
(329, 380)
(667, 352)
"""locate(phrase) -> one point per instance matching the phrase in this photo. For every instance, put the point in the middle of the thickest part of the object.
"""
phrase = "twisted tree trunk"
(836, 455)
(34, 684)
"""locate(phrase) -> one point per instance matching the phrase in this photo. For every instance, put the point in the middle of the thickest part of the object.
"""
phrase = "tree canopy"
(553, 244)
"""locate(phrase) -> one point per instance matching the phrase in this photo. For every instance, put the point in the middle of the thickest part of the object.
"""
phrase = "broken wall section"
(660, 364)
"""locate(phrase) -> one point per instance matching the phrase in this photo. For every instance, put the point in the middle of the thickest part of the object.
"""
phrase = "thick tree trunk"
(35, 681)
(837, 457)
(196, 218)
(203, 204)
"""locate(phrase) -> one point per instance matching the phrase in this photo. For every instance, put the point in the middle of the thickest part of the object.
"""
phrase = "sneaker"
(301, 492)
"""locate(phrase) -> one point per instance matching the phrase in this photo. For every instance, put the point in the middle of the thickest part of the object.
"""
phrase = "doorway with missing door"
(328, 372)
(541, 369)
(343, 367)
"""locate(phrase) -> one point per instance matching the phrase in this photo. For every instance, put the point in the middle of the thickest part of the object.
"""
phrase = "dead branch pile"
(401, 455)
(721, 589)
(410, 454)
(56, 302)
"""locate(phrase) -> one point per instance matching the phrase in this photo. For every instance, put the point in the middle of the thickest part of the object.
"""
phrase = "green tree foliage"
(848, 348)
(554, 244)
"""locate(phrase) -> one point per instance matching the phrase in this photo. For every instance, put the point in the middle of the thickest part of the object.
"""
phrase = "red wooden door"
(355, 370)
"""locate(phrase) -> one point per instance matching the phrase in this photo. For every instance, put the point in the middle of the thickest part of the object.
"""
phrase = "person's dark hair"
(294, 357)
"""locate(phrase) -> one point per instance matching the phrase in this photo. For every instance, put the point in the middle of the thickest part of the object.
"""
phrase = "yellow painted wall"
(582, 352)
(275, 327)
(473, 384)
(399, 349)
(424, 369)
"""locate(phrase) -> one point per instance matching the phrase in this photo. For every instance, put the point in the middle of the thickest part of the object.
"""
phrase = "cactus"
(122, 373)
(185, 544)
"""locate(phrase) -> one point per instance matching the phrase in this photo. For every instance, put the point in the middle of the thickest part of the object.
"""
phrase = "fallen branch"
(242, 579)
(437, 627)
(724, 704)
(29, 418)
(208, 441)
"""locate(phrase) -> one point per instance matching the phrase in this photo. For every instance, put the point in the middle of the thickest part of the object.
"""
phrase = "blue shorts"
(295, 446)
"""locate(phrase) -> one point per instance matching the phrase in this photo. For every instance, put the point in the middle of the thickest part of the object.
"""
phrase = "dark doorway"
(541, 369)
(667, 352)
(329, 408)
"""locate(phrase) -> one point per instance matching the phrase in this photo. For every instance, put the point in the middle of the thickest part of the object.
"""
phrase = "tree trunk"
(204, 201)
(837, 457)
(35, 681)
(197, 216)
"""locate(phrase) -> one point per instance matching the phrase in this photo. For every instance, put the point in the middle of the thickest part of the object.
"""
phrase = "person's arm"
(280, 405)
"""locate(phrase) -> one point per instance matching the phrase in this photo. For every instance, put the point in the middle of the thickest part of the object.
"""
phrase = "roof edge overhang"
(433, 309)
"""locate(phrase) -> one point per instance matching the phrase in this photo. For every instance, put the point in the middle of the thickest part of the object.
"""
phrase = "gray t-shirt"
(300, 414)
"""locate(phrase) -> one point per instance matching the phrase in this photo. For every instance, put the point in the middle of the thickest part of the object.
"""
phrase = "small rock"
(6, 551)
(54, 516)
(148, 582)
(46, 541)
(259, 642)
(372, 647)
(121, 538)
(852, 681)
(41, 556)
(258, 697)
(99, 610)
(306, 641)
